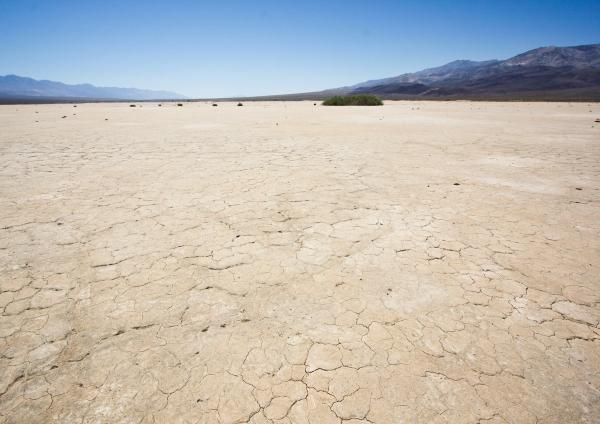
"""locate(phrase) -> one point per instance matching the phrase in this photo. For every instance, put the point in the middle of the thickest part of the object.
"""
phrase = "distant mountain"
(543, 73)
(428, 76)
(578, 57)
(15, 87)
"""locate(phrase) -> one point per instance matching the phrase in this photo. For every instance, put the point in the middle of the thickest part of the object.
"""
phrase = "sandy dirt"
(283, 262)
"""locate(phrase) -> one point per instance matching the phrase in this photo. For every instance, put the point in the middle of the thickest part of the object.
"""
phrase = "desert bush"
(353, 100)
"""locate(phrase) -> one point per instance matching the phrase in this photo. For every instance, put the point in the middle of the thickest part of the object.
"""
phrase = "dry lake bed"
(420, 262)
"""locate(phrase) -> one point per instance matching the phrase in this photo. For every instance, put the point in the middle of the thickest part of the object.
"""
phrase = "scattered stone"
(214, 104)
(240, 104)
(131, 105)
(179, 104)
(456, 184)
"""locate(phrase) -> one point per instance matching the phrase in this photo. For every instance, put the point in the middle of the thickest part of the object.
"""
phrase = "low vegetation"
(355, 100)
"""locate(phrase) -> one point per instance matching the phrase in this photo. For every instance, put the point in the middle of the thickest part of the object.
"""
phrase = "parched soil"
(420, 262)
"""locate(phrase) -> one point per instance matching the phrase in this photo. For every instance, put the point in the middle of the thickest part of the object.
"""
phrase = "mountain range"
(545, 73)
(16, 87)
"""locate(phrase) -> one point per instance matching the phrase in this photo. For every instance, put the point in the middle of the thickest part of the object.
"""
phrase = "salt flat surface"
(284, 262)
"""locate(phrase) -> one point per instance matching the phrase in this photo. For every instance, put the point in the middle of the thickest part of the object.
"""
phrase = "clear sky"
(231, 48)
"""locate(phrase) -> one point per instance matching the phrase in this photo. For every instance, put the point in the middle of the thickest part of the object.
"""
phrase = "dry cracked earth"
(290, 263)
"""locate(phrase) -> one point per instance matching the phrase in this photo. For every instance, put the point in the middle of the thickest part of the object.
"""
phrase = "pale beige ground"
(284, 262)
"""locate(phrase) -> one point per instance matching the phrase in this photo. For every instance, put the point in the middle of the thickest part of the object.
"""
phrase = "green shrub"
(355, 100)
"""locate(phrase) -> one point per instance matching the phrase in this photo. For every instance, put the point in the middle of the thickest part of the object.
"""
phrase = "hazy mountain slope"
(427, 76)
(13, 86)
(573, 70)
(577, 57)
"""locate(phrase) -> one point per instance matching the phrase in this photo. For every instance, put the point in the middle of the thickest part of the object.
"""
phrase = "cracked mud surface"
(281, 262)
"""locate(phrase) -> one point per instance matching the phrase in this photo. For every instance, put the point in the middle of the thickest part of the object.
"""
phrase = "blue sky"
(231, 48)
